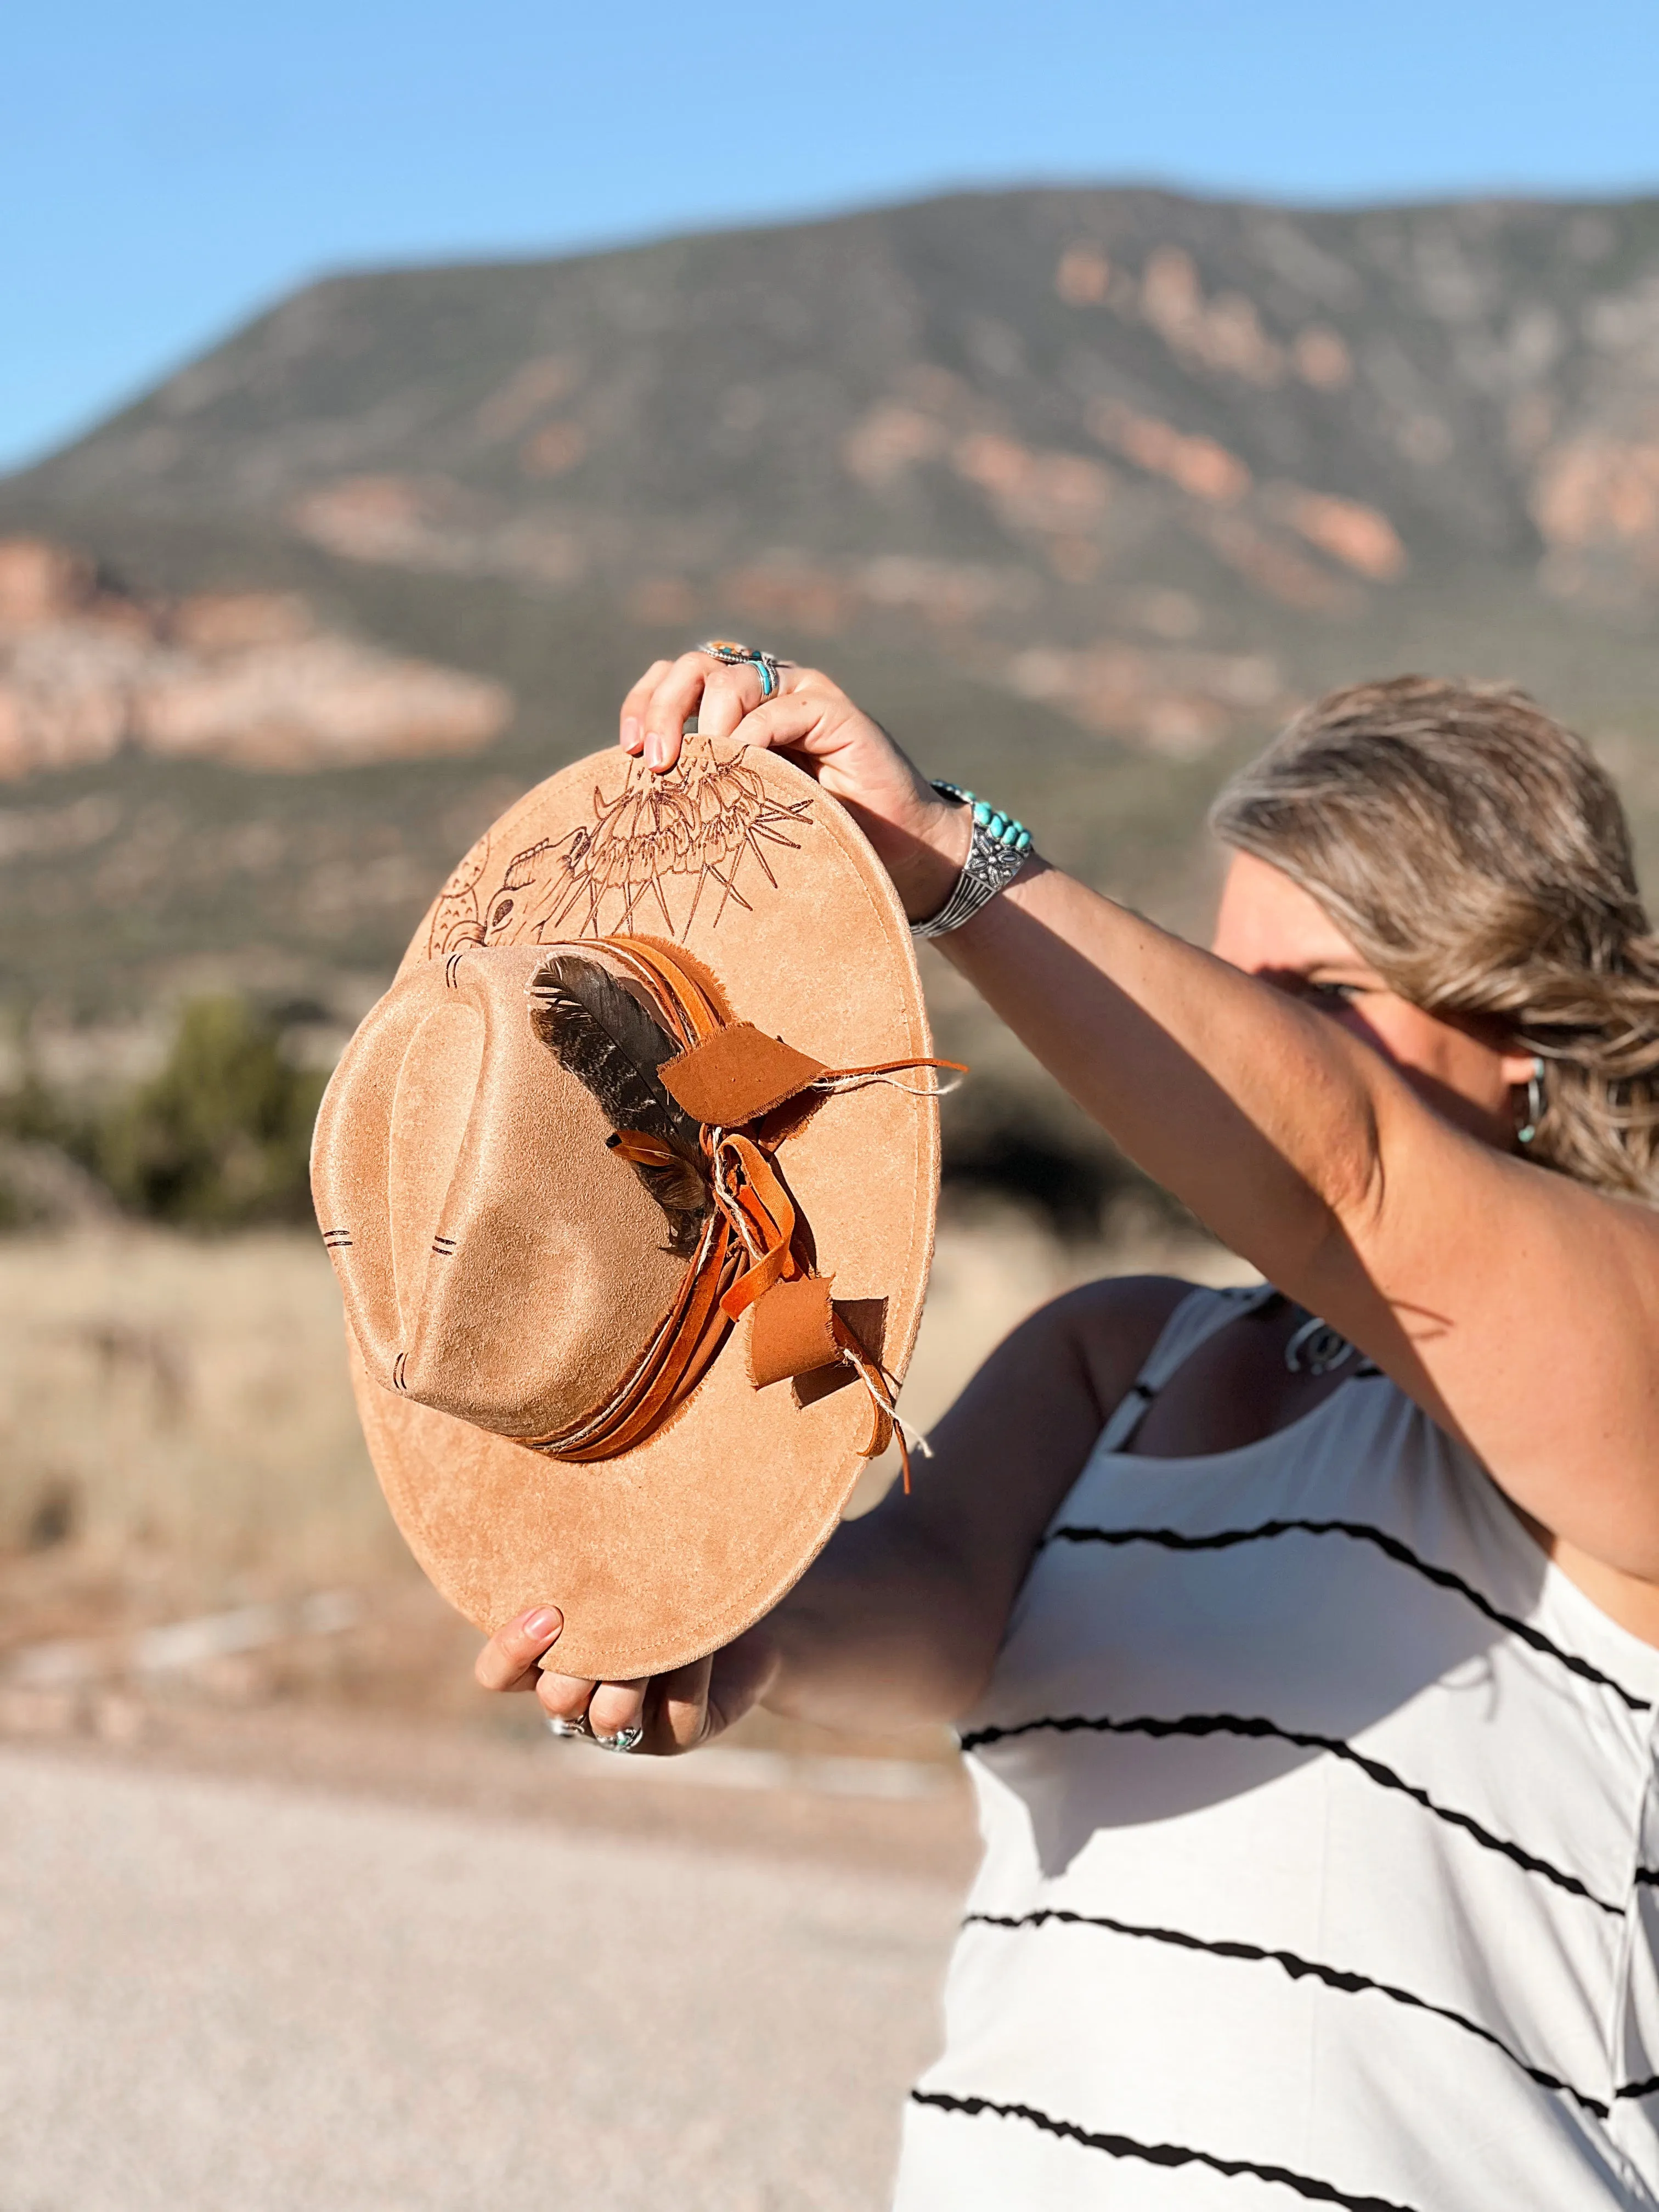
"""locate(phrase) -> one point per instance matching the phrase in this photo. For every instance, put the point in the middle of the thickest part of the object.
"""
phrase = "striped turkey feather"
(613, 1044)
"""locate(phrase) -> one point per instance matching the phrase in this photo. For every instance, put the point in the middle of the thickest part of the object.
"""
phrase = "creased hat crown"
(498, 1262)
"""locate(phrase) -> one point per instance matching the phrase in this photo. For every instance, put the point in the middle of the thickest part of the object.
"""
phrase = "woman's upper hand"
(921, 838)
(677, 1711)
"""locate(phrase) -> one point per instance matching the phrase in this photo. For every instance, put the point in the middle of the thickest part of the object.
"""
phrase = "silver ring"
(628, 1739)
(731, 654)
(557, 1725)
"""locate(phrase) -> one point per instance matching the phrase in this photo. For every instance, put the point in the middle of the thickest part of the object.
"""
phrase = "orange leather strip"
(793, 1332)
(673, 1362)
(738, 1075)
(700, 1019)
(744, 1170)
(692, 1345)
(884, 1429)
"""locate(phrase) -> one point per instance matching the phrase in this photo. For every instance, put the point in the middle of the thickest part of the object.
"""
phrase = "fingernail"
(630, 733)
(656, 750)
(546, 1621)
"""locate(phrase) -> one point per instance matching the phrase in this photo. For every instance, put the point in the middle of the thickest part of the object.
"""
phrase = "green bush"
(220, 1137)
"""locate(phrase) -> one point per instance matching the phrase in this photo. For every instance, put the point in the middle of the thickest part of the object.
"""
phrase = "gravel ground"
(235, 1996)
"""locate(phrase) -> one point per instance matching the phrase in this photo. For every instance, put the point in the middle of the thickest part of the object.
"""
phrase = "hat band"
(732, 1078)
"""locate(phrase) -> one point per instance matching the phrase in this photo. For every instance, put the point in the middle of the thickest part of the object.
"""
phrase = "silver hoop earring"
(1528, 1128)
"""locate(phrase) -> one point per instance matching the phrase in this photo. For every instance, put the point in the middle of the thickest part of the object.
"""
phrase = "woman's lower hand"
(674, 1712)
(921, 838)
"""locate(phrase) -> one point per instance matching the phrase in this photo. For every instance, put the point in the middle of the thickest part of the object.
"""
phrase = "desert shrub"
(46, 1147)
(219, 1138)
(32, 1113)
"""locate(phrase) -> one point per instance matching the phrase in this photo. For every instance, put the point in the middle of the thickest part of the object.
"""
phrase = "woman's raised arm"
(1519, 1308)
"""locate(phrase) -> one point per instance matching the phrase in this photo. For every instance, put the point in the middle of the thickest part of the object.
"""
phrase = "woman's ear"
(1519, 1067)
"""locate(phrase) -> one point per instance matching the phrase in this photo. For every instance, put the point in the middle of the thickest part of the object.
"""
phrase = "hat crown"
(498, 1262)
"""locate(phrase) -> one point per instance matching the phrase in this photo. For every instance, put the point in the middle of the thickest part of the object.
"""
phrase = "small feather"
(613, 1045)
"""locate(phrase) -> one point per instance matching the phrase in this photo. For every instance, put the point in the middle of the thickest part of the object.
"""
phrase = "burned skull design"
(652, 855)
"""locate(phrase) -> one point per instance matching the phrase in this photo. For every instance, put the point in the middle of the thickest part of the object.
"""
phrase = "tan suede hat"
(629, 1183)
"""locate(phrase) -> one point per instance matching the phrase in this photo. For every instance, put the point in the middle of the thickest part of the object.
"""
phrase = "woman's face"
(1463, 1065)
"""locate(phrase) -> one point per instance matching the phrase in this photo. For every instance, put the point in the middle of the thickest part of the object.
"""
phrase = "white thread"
(915, 1437)
(729, 1205)
(857, 1080)
(878, 1399)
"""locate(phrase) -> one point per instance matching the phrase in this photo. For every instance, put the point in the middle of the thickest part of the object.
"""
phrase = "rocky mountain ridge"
(1083, 491)
(1038, 382)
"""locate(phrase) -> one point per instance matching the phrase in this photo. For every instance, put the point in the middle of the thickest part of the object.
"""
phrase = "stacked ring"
(625, 1738)
(733, 655)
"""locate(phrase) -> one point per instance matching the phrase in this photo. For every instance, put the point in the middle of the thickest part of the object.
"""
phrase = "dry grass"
(164, 1398)
(177, 1432)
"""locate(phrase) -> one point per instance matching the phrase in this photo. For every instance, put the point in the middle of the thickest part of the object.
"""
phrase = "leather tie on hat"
(752, 1251)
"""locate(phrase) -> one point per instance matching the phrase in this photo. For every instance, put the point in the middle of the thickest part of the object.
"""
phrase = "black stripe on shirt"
(1299, 1969)
(1169, 2155)
(1254, 1726)
(1221, 1539)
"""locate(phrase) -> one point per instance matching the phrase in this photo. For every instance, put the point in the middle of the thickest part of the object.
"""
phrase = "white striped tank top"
(1321, 1847)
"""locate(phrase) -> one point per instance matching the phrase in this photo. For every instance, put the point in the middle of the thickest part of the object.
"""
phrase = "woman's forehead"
(1267, 921)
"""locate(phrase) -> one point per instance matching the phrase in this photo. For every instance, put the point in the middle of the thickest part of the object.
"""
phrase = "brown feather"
(613, 1044)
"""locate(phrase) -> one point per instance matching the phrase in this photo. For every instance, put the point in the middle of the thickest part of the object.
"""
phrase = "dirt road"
(226, 1994)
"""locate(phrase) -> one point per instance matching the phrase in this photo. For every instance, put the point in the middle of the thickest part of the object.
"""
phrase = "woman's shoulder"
(1122, 1298)
(1120, 1304)
(1113, 1326)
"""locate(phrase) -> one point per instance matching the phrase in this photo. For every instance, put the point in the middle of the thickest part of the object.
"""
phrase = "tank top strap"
(1194, 1322)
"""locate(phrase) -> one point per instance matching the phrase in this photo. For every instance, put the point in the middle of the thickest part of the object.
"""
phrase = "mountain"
(1081, 490)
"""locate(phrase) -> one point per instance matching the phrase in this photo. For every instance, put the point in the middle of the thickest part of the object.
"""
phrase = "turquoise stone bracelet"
(1005, 827)
(999, 847)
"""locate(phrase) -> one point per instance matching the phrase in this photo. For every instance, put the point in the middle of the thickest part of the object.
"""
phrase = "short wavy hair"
(1478, 856)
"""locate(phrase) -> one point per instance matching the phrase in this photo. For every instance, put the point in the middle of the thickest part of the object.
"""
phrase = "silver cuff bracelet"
(998, 850)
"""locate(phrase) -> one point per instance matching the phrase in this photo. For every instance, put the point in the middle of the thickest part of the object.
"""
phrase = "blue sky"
(165, 170)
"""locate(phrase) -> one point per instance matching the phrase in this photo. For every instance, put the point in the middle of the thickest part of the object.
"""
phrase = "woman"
(1302, 1642)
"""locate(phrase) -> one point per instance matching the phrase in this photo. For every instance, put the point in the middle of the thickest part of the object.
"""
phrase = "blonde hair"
(1478, 856)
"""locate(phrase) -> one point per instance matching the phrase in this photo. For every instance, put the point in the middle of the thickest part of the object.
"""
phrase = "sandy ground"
(226, 1994)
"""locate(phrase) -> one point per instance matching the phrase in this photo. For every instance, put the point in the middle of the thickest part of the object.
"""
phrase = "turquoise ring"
(731, 654)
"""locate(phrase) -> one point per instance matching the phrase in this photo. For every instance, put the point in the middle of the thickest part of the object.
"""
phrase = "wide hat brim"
(665, 1553)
